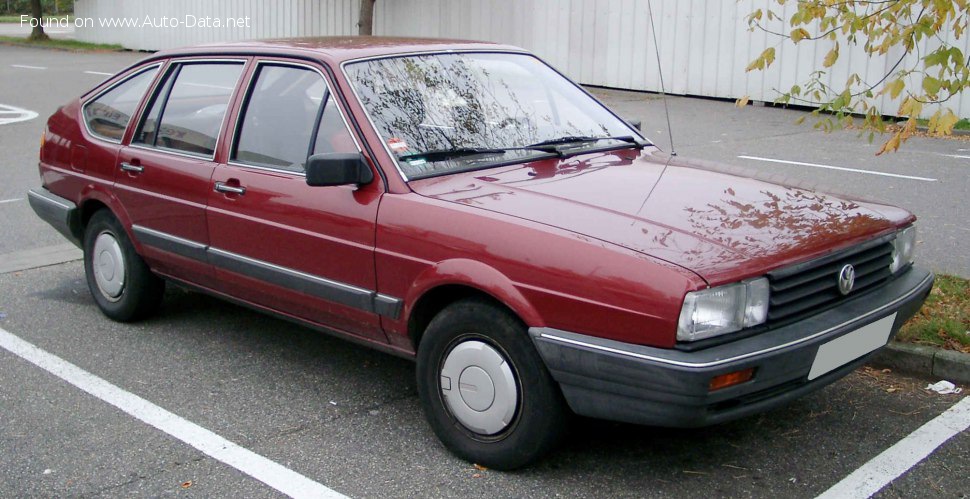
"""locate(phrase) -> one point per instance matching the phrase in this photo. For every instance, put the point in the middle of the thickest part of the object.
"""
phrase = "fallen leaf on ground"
(187, 484)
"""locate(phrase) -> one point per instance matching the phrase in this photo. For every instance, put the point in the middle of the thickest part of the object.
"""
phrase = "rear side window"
(108, 115)
(187, 111)
(279, 117)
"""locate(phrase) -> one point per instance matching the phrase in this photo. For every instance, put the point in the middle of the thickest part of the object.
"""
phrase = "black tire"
(541, 413)
(140, 292)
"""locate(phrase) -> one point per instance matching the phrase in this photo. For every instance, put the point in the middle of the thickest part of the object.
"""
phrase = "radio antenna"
(660, 73)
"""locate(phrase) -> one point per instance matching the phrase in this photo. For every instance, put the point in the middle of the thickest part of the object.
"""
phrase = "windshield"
(441, 113)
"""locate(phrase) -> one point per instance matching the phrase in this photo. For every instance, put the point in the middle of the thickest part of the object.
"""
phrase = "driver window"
(277, 122)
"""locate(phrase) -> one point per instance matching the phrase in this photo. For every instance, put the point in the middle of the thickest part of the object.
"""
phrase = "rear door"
(275, 241)
(164, 174)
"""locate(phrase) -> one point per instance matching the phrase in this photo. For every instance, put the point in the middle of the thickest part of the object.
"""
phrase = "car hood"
(700, 216)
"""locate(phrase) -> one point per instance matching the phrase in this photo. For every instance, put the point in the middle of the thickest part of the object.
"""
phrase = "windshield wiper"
(547, 146)
(579, 139)
(442, 154)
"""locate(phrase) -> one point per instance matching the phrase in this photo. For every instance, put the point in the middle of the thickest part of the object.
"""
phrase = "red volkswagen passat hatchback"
(466, 205)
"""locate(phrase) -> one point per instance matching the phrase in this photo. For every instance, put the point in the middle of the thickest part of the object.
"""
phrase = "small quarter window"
(190, 116)
(108, 115)
(277, 123)
(333, 136)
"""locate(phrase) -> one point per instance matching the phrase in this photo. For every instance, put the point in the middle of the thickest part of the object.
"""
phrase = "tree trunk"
(366, 23)
(37, 33)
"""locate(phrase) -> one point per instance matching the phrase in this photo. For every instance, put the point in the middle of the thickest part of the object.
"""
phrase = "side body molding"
(337, 292)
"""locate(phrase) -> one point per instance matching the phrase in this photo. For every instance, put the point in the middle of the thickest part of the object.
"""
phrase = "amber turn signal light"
(731, 379)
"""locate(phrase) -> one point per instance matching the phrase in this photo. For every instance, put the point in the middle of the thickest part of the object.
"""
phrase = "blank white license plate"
(845, 349)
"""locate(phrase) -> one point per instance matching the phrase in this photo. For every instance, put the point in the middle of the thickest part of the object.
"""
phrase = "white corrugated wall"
(268, 19)
(704, 44)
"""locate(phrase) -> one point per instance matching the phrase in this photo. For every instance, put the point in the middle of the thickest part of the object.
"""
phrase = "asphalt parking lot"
(348, 419)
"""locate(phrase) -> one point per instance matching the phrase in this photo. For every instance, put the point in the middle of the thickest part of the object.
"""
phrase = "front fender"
(472, 274)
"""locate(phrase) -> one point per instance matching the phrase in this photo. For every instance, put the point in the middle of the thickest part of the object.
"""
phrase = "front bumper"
(664, 387)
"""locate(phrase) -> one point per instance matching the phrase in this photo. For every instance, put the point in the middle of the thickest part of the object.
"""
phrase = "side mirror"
(635, 124)
(337, 168)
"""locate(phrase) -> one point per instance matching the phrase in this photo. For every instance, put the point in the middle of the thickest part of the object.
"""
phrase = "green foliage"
(17, 7)
(896, 28)
(945, 318)
(61, 44)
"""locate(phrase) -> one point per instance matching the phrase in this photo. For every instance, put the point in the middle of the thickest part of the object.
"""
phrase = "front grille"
(809, 287)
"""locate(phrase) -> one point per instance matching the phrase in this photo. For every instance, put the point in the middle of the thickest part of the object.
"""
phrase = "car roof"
(336, 49)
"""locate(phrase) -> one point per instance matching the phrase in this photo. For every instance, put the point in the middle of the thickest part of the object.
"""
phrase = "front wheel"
(120, 281)
(485, 391)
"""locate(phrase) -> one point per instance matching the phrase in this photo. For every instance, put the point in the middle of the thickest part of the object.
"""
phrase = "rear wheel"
(485, 391)
(120, 282)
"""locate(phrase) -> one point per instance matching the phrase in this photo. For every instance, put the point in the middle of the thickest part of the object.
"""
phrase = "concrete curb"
(925, 361)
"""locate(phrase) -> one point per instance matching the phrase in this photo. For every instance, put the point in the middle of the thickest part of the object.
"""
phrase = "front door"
(307, 252)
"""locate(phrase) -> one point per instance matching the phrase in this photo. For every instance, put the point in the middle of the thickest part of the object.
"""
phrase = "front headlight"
(904, 248)
(722, 310)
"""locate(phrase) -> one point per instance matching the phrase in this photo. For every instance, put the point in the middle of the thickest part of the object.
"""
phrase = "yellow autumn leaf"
(743, 101)
(896, 87)
(832, 56)
(799, 34)
(944, 125)
(891, 145)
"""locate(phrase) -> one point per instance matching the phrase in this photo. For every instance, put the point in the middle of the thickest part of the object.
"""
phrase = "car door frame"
(177, 255)
(361, 302)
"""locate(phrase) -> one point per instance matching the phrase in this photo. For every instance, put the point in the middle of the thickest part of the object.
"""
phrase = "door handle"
(223, 187)
(128, 167)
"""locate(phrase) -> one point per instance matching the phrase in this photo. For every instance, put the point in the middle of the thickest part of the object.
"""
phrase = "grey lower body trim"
(667, 387)
(333, 291)
(60, 213)
(170, 243)
(291, 279)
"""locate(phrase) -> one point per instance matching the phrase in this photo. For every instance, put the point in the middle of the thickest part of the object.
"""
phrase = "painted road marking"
(840, 168)
(99, 73)
(957, 156)
(24, 66)
(269, 472)
(898, 459)
(11, 114)
(11, 200)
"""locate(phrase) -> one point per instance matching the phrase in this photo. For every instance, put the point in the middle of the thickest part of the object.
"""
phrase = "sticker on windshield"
(397, 145)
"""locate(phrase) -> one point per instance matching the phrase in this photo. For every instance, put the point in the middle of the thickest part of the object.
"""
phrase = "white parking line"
(98, 73)
(14, 200)
(11, 114)
(898, 459)
(957, 156)
(269, 472)
(24, 66)
(840, 168)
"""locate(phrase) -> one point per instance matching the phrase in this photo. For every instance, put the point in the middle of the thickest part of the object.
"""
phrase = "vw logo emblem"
(846, 279)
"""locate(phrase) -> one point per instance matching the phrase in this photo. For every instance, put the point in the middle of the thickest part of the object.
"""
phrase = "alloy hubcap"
(109, 266)
(479, 388)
